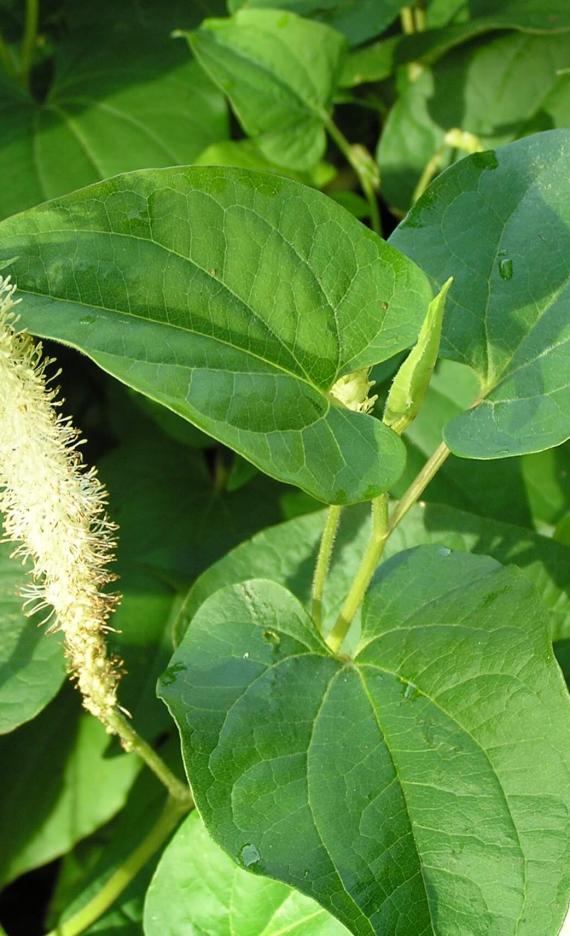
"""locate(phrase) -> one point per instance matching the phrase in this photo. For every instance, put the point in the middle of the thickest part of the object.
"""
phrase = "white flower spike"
(54, 508)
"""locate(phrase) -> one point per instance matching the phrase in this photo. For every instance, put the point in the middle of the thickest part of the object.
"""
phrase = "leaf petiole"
(370, 560)
(365, 167)
(323, 562)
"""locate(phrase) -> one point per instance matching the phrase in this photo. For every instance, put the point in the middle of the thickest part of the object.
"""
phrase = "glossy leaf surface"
(235, 298)
(462, 741)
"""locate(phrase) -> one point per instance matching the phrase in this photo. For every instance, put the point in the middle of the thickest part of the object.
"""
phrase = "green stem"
(133, 742)
(407, 20)
(348, 152)
(29, 40)
(323, 562)
(418, 485)
(430, 169)
(122, 877)
(371, 558)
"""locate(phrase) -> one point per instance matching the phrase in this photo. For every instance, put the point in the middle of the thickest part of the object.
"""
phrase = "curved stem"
(323, 562)
(122, 877)
(29, 39)
(348, 152)
(407, 20)
(371, 558)
(133, 742)
(418, 485)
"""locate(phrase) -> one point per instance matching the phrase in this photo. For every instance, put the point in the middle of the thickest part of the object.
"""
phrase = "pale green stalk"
(370, 560)
(351, 154)
(323, 562)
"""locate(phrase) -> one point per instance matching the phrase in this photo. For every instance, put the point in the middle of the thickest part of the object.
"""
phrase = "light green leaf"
(425, 819)
(32, 666)
(508, 316)
(198, 889)
(410, 385)
(359, 20)
(498, 90)
(261, 59)
(124, 96)
(57, 786)
(244, 154)
(235, 298)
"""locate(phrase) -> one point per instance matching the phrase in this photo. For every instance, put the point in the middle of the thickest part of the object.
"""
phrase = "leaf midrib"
(303, 376)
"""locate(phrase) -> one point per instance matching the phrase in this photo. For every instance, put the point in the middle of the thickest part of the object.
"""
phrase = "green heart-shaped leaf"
(235, 298)
(259, 58)
(508, 315)
(419, 788)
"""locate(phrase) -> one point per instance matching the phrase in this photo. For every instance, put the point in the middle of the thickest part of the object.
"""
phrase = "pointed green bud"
(410, 384)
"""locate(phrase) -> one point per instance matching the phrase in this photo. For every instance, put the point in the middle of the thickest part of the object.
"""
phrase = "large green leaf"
(124, 96)
(497, 89)
(198, 889)
(447, 810)
(359, 20)
(32, 666)
(279, 72)
(57, 786)
(235, 298)
(508, 314)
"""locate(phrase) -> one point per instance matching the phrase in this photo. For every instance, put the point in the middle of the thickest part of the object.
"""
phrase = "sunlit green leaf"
(235, 298)
(260, 59)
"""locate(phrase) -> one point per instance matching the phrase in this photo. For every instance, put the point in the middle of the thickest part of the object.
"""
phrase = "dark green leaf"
(235, 298)
(32, 666)
(173, 524)
(425, 819)
(198, 889)
(534, 15)
(508, 316)
(124, 96)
